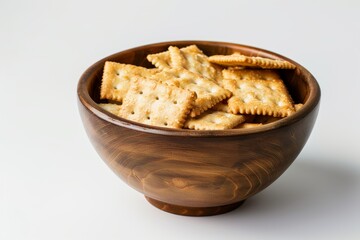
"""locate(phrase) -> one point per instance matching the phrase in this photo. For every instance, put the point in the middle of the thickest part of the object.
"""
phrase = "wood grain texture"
(194, 211)
(194, 172)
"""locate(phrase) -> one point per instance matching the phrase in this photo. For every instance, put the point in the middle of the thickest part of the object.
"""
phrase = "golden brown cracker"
(194, 60)
(208, 93)
(110, 107)
(258, 96)
(237, 59)
(190, 58)
(214, 120)
(248, 125)
(117, 77)
(155, 103)
(298, 106)
(243, 74)
(160, 60)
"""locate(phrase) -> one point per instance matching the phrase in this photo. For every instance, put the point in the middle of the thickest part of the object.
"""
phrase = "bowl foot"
(194, 211)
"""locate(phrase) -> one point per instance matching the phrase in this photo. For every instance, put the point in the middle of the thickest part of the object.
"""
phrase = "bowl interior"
(300, 83)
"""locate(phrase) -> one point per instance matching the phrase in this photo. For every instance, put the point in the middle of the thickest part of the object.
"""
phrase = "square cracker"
(117, 78)
(155, 103)
(214, 120)
(190, 58)
(208, 93)
(257, 95)
(237, 59)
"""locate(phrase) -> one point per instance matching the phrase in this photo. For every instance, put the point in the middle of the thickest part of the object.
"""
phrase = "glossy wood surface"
(197, 172)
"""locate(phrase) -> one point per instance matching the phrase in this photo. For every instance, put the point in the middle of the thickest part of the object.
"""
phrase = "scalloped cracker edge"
(237, 59)
(214, 120)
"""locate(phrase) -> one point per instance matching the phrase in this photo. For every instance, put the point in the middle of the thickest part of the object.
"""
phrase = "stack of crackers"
(188, 89)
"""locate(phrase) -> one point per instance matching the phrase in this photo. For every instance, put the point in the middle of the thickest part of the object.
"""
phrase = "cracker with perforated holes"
(258, 95)
(117, 78)
(190, 58)
(214, 120)
(194, 60)
(237, 59)
(208, 93)
(151, 102)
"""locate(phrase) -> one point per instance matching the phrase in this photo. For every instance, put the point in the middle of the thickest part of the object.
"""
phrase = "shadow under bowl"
(197, 173)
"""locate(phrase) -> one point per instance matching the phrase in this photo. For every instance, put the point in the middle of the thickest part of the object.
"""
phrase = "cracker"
(110, 107)
(155, 103)
(117, 77)
(194, 60)
(243, 74)
(190, 58)
(214, 120)
(208, 93)
(298, 106)
(265, 95)
(248, 125)
(237, 59)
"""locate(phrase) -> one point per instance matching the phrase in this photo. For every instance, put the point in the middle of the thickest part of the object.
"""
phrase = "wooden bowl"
(197, 173)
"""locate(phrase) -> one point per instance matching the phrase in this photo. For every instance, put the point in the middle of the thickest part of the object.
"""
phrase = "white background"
(54, 186)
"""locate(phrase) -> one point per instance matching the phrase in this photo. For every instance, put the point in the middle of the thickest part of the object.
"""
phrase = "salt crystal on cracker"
(264, 95)
(155, 103)
(237, 59)
(214, 120)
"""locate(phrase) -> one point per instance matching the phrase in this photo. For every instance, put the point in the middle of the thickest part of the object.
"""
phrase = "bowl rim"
(85, 99)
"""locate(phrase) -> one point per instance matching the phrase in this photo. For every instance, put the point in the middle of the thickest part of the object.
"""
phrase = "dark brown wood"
(197, 172)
